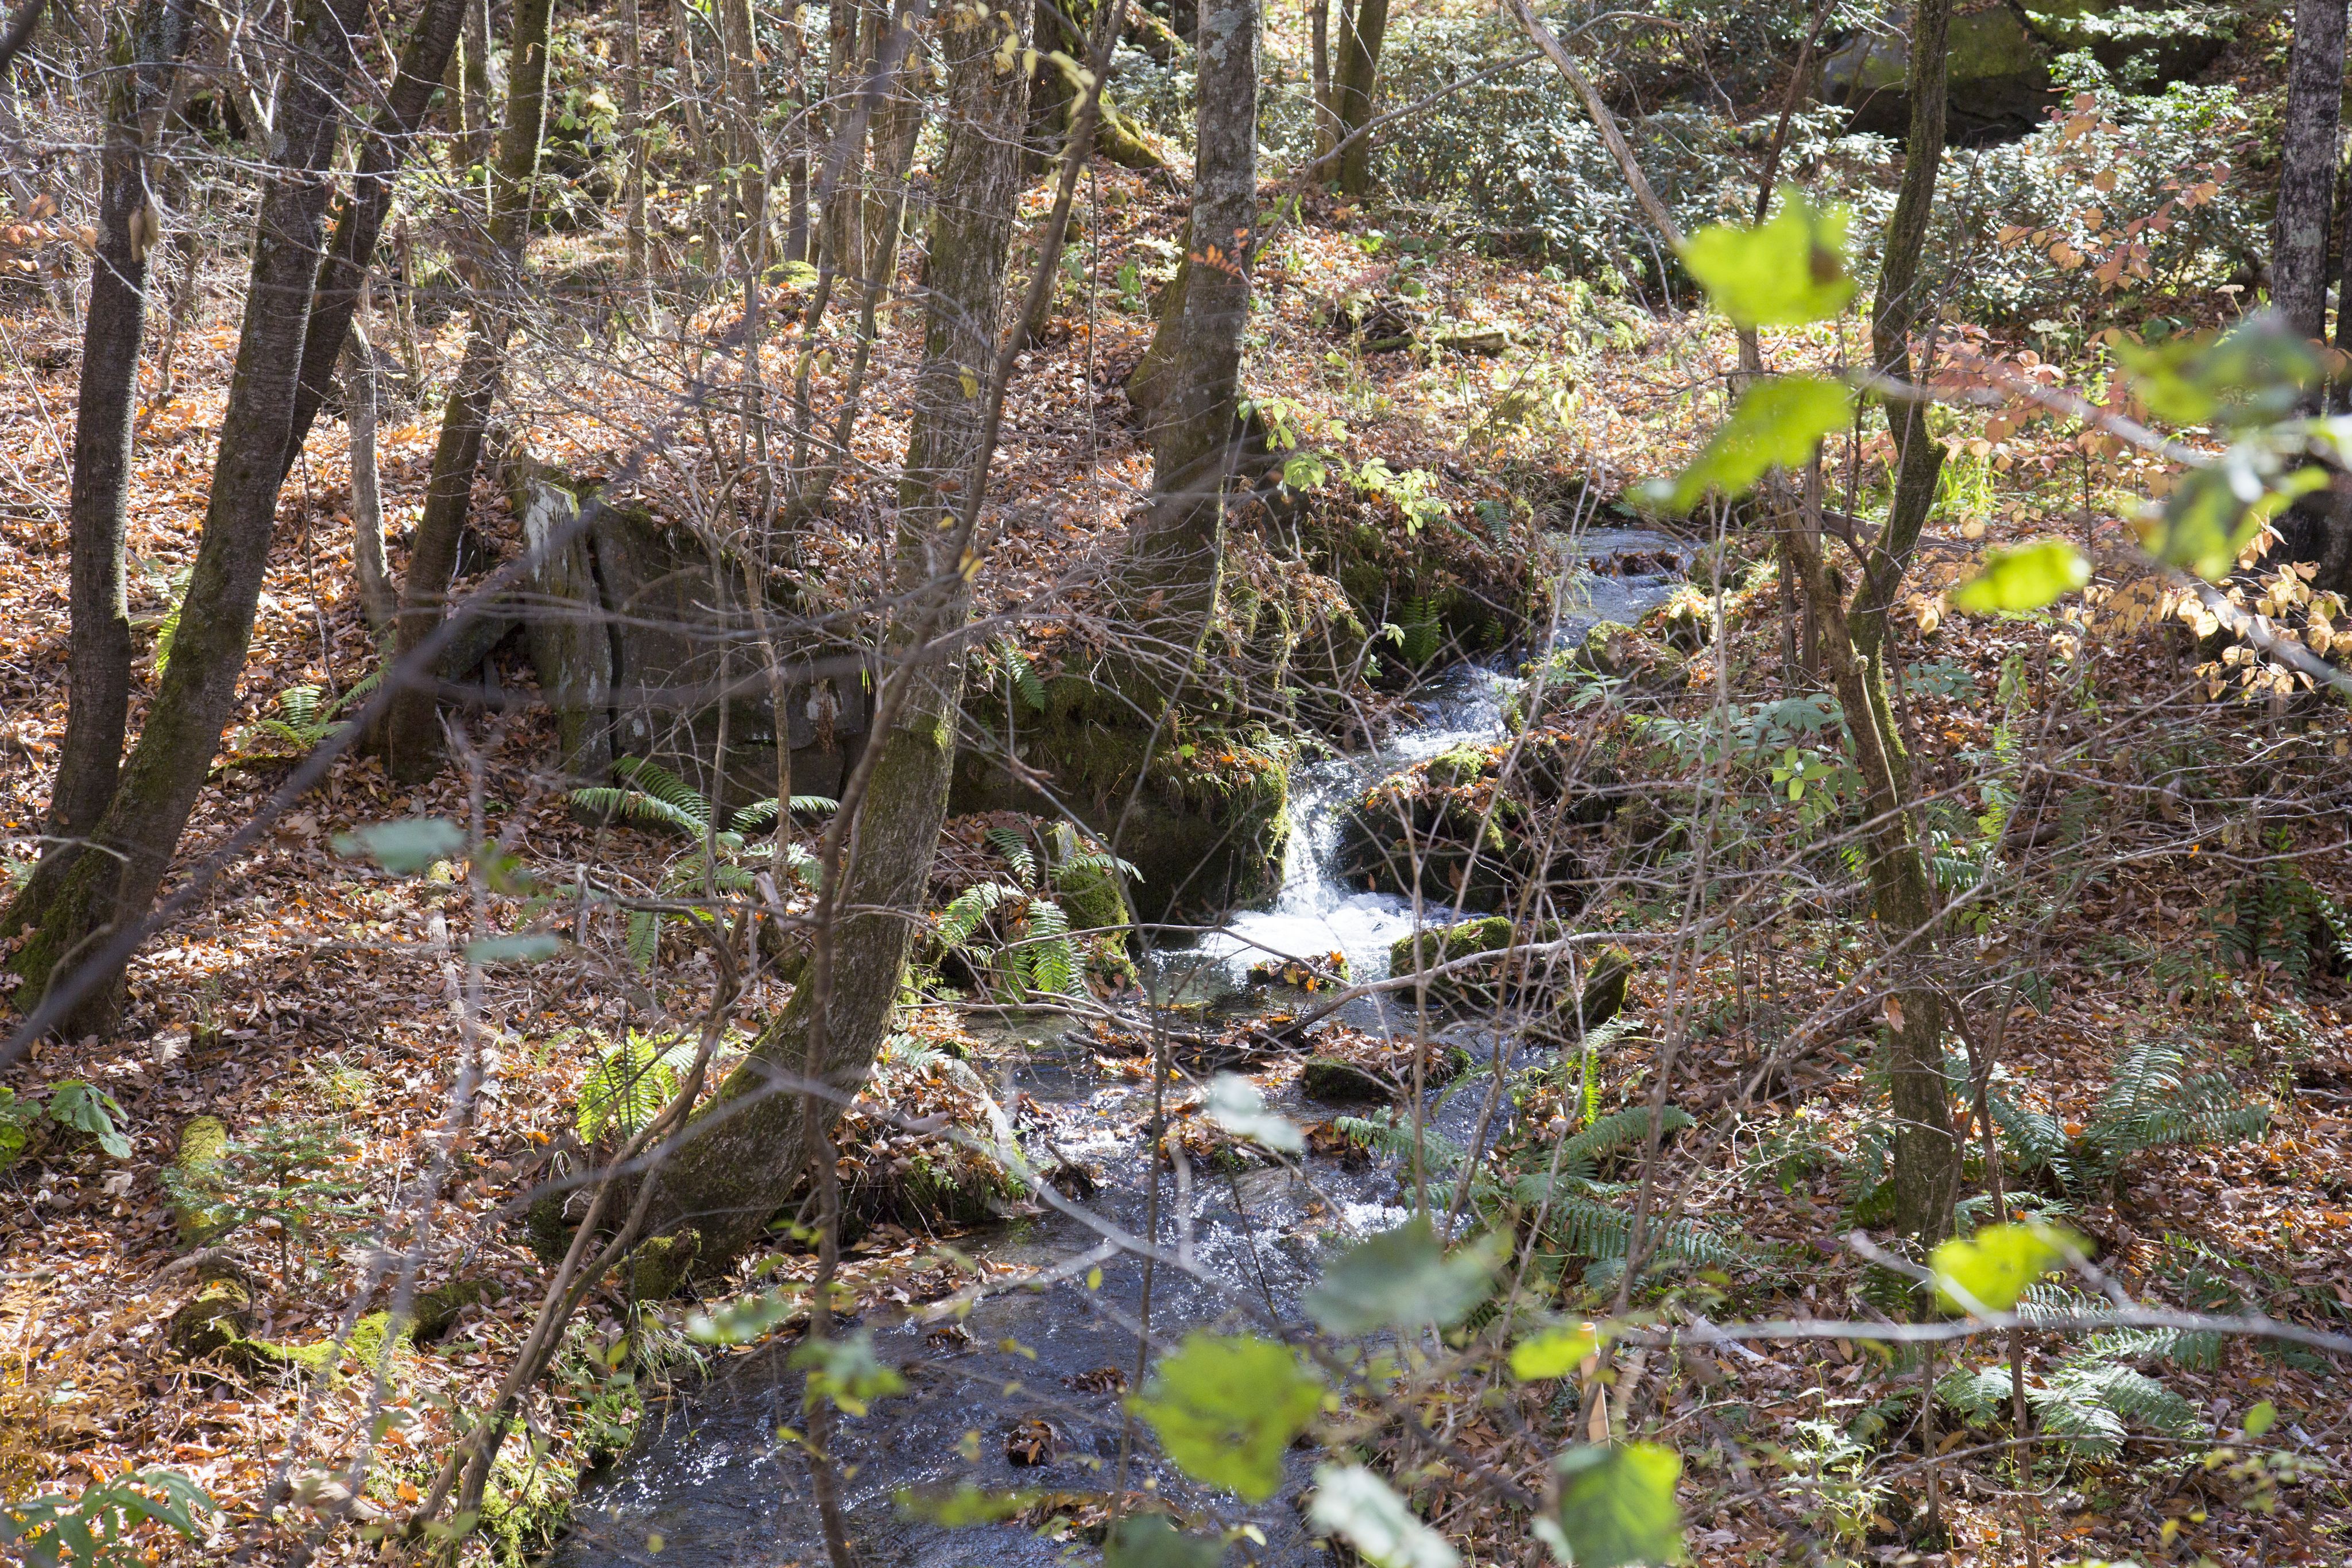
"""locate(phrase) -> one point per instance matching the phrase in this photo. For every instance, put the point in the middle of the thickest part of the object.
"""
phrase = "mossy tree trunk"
(741, 1159)
(1176, 543)
(409, 739)
(147, 47)
(1363, 25)
(158, 789)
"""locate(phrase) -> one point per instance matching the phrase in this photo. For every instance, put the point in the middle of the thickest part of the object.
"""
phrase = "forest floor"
(305, 986)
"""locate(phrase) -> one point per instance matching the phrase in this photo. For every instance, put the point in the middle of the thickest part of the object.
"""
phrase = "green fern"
(629, 1086)
(1011, 846)
(1419, 635)
(761, 814)
(2091, 1401)
(1021, 674)
(2149, 1102)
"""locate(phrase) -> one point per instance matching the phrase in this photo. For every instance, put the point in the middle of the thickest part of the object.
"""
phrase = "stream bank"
(1023, 1392)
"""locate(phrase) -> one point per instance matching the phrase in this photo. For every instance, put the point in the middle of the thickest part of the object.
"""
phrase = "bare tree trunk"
(1176, 545)
(159, 784)
(633, 131)
(98, 669)
(360, 223)
(749, 152)
(378, 598)
(1319, 16)
(409, 741)
(2307, 194)
(1362, 25)
(749, 1153)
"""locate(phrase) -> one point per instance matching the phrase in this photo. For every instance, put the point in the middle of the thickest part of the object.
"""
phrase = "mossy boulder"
(1200, 807)
(1463, 765)
(2147, 43)
(1432, 948)
(1639, 665)
(1606, 974)
(1997, 74)
(661, 1263)
(435, 1312)
(213, 1321)
(215, 1324)
(1337, 1082)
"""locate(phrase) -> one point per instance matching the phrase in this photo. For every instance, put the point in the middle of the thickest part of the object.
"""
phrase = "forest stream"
(711, 1485)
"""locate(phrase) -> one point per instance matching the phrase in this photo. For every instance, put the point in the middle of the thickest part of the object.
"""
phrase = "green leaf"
(1353, 1502)
(2261, 1418)
(1783, 273)
(965, 1505)
(523, 947)
(1617, 1505)
(1402, 1279)
(2215, 511)
(1996, 1264)
(2254, 374)
(405, 848)
(742, 1320)
(1148, 1540)
(1234, 1104)
(1777, 425)
(75, 1105)
(1227, 1407)
(846, 1371)
(2025, 578)
(1555, 1353)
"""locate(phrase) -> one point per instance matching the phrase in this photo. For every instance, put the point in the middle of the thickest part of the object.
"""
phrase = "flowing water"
(709, 1484)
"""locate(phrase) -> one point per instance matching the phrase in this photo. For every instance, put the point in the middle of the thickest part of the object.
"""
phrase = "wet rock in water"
(1639, 664)
(1686, 623)
(1514, 976)
(1323, 972)
(1338, 1082)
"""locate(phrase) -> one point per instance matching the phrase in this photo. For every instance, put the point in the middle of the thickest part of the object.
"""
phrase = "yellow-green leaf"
(2025, 578)
(1617, 1506)
(1992, 1268)
(1555, 1353)
(1783, 273)
(1777, 425)
(1226, 1406)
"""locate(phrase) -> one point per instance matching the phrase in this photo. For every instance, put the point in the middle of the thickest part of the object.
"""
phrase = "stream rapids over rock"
(710, 1482)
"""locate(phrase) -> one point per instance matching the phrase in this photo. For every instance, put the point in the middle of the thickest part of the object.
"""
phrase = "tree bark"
(1176, 544)
(1319, 16)
(158, 789)
(359, 225)
(1894, 315)
(2307, 194)
(749, 1150)
(1362, 25)
(1926, 1163)
(98, 667)
(409, 740)
(361, 382)
(633, 134)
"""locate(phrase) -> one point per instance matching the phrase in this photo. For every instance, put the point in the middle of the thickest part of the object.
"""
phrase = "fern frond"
(1023, 673)
(1015, 849)
(652, 778)
(625, 1090)
(634, 805)
(1052, 960)
(1385, 1134)
(1620, 1130)
(643, 937)
(1978, 1397)
(301, 705)
(969, 908)
(761, 813)
(1099, 861)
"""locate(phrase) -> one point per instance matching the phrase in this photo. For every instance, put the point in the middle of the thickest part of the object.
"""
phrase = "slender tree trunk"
(1926, 1163)
(1894, 315)
(750, 151)
(158, 789)
(410, 743)
(378, 598)
(359, 225)
(2307, 194)
(633, 131)
(799, 138)
(98, 667)
(1176, 545)
(1318, 17)
(1361, 28)
(740, 1166)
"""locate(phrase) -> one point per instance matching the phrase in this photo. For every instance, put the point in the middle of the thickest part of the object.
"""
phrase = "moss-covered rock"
(1463, 765)
(1997, 74)
(1198, 808)
(1639, 663)
(1337, 1082)
(1606, 974)
(435, 1312)
(661, 1263)
(213, 1319)
(1429, 950)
